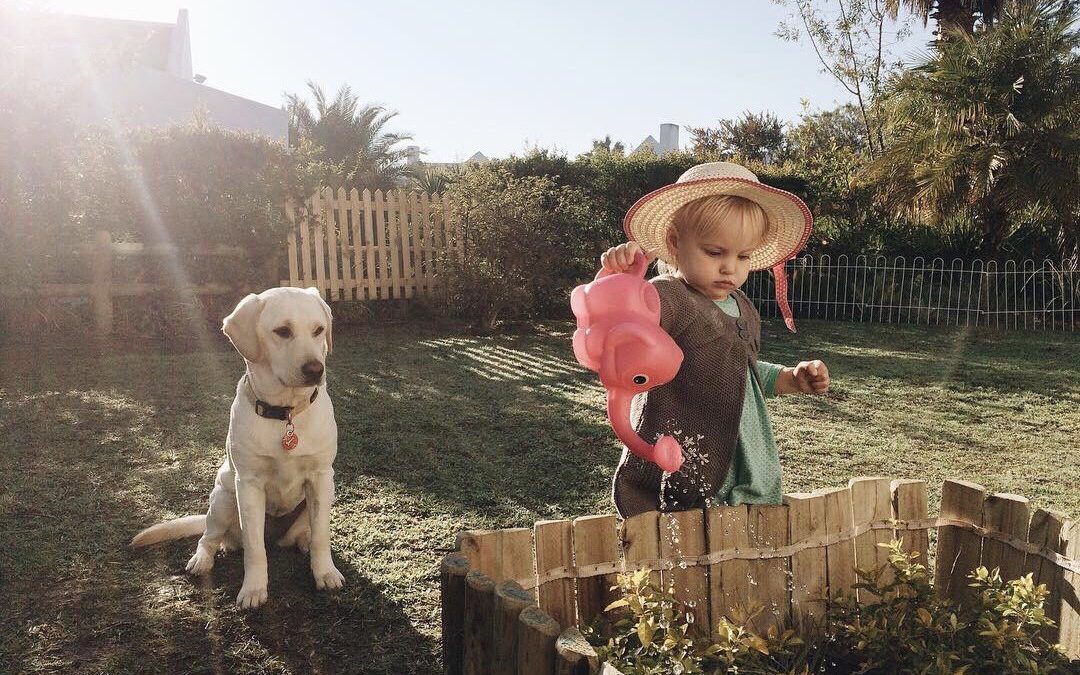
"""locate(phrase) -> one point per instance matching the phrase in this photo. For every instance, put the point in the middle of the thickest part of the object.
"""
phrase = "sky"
(501, 77)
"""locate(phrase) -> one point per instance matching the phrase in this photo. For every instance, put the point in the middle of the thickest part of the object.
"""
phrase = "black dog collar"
(278, 412)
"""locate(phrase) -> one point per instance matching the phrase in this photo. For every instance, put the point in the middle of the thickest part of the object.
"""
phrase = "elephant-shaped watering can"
(619, 337)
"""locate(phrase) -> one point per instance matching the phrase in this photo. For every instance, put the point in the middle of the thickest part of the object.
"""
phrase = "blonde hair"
(706, 215)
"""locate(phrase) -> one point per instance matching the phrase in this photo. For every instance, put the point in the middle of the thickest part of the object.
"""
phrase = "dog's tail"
(188, 526)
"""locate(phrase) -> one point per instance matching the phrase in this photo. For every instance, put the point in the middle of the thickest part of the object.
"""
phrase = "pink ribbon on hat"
(780, 280)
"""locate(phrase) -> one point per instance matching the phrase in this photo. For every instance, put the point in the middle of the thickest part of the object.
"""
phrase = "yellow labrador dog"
(281, 445)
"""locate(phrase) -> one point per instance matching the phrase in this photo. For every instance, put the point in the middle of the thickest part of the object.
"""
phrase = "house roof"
(649, 144)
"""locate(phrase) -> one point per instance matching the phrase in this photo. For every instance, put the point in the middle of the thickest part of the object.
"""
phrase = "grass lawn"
(439, 432)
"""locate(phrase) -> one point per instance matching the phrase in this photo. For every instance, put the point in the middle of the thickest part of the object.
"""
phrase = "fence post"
(452, 574)
(575, 655)
(537, 633)
(510, 600)
(479, 614)
(958, 551)
(101, 283)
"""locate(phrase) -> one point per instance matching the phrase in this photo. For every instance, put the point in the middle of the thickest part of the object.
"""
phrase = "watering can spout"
(667, 453)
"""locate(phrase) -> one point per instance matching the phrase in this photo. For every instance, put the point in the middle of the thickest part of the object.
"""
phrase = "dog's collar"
(276, 412)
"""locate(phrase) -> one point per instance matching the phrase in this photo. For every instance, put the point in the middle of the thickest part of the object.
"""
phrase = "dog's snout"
(313, 371)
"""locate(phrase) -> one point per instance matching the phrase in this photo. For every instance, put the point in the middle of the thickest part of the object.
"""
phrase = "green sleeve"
(768, 373)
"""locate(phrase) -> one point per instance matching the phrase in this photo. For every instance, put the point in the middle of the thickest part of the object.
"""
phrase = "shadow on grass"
(356, 629)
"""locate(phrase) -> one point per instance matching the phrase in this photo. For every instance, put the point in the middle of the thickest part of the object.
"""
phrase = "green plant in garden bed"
(909, 629)
(649, 634)
(913, 630)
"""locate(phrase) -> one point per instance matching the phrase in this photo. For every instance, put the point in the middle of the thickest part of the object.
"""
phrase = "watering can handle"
(641, 263)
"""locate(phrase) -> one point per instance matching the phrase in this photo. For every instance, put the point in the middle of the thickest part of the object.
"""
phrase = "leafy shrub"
(523, 244)
(908, 630)
(650, 635)
(617, 182)
(194, 185)
(611, 181)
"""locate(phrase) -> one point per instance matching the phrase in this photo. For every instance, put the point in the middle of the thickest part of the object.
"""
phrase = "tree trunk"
(953, 15)
(1068, 243)
(993, 223)
(490, 318)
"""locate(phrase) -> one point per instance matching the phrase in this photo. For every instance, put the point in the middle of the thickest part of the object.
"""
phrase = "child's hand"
(620, 258)
(811, 377)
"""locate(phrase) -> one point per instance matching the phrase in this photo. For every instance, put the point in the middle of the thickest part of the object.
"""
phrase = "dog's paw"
(201, 563)
(328, 579)
(251, 597)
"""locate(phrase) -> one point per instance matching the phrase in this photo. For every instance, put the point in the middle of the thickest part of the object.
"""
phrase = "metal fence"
(1026, 294)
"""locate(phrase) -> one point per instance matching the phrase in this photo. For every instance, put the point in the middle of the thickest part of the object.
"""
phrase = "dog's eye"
(318, 331)
(284, 332)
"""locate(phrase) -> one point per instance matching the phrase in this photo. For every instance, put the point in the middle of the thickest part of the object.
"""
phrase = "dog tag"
(290, 439)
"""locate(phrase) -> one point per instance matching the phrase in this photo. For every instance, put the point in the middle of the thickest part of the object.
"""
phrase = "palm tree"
(955, 16)
(432, 180)
(989, 127)
(351, 136)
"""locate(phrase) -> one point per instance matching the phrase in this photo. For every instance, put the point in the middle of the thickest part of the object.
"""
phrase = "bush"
(650, 635)
(195, 186)
(909, 629)
(616, 182)
(612, 181)
(525, 242)
(912, 630)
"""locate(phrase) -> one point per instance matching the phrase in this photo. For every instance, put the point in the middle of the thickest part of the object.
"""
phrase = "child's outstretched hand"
(811, 377)
(620, 258)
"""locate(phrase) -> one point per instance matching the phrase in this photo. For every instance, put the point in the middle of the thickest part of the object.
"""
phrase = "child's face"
(716, 262)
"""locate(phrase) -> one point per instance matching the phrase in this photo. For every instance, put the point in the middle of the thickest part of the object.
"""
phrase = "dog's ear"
(240, 327)
(329, 318)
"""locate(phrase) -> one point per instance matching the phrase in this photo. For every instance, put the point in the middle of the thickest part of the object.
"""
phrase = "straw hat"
(650, 218)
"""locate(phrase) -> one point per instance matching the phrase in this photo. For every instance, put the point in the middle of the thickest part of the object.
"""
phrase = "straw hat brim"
(650, 218)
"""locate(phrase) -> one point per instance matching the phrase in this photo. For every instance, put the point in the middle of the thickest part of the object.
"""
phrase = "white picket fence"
(1026, 294)
(355, 245)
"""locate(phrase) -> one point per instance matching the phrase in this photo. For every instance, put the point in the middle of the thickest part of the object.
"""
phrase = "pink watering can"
(619, 337)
